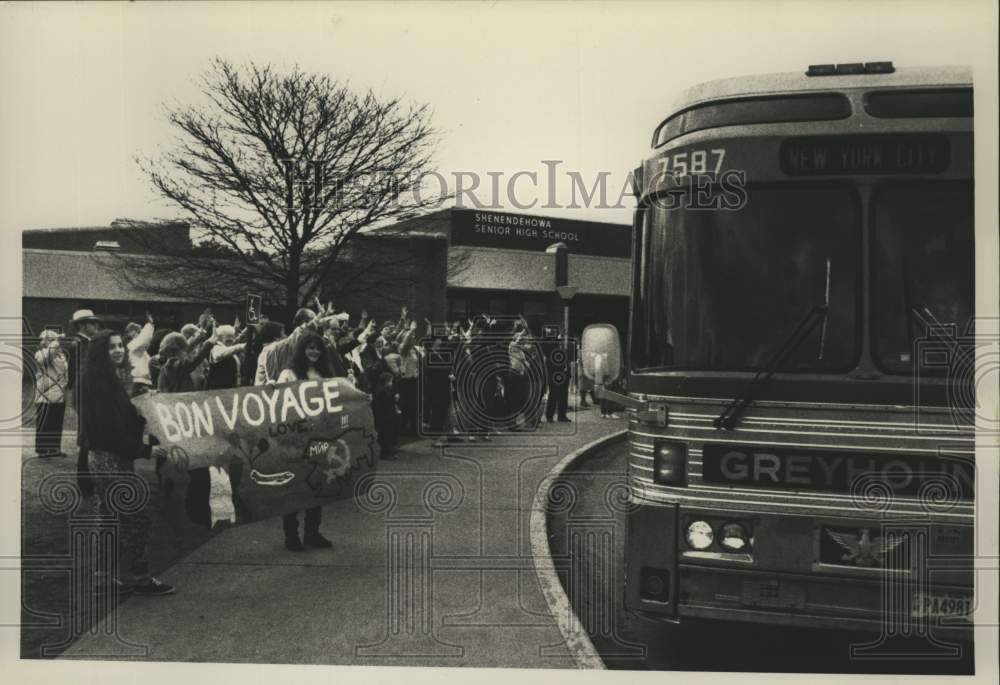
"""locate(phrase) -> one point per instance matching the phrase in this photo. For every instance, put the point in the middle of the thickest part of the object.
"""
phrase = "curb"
(577, 641)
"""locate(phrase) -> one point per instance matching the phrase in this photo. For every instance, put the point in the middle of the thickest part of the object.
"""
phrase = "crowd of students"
(480, 378)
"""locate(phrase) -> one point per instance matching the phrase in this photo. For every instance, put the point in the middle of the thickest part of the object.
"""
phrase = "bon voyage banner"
(268, 450)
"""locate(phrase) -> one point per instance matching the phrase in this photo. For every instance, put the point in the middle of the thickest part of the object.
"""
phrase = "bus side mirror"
(602, 354)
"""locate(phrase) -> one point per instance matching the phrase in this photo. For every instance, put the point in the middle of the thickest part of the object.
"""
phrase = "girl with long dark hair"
(114, 431)
(310, 361)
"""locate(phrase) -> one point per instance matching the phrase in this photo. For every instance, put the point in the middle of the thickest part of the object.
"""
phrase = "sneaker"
(565, 419)
(152, 588)
(615, 416)
(316, 540)
(293, 544)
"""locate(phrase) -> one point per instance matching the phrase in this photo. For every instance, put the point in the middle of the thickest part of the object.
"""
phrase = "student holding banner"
(114, 431)
(310, 361)
(275, 358)
(177, 361)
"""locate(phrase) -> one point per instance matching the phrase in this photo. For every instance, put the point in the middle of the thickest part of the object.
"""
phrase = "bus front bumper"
(664, 582)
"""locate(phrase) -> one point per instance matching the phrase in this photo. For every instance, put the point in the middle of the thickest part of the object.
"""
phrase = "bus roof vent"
(850, 68)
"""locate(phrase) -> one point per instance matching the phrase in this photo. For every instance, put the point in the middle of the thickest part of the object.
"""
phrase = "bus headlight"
(699, 535)
(669, 459)
(733, 538)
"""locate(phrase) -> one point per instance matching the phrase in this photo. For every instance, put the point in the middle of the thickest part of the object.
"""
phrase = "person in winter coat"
(87, 325)
(52, 377)
(223, 360)
(154, 351)
(114, 430)
(310, 361)
(177, 360)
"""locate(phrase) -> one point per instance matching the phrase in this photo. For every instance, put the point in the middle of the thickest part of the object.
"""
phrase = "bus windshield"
(721, 290)
(922, 257)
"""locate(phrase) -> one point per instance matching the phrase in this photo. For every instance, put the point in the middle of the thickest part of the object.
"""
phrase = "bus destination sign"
(881, 154)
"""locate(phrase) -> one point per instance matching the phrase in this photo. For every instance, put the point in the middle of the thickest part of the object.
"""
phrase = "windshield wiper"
(944, 331)
(736, 406)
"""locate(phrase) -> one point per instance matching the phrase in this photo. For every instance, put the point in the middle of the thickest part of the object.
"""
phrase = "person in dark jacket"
(558, 358)
(87, 325)
(114, 430)
(153, 351)
(439, 374)
(223, 360)
(177, 361)
(179, 357)
(331, 336)
(378, 380)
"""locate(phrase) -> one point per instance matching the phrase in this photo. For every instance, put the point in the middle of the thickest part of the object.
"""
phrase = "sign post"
(254, 306)
(565, 291)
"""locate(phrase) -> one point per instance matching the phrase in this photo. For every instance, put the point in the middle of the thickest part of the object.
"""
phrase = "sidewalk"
(433, 568)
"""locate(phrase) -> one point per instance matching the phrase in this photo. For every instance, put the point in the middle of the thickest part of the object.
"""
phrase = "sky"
(512, 85)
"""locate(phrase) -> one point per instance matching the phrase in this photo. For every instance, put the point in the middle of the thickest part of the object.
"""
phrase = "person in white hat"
(87, 326)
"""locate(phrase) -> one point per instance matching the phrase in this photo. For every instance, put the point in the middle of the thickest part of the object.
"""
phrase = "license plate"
(773, 594)
(942, 606)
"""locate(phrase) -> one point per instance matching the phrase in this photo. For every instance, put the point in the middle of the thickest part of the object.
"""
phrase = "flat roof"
(790, 82)
(79, 275)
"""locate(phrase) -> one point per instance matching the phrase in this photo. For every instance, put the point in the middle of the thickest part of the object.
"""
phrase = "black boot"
(290, 523)
(317, 540)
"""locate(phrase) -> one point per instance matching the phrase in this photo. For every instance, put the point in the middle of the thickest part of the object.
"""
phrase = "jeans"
(133, 528)
(49, 428)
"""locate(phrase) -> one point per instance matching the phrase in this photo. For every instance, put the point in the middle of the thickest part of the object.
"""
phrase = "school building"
(446, 265)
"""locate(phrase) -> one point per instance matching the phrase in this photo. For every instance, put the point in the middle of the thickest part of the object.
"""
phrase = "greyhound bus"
(801, 433)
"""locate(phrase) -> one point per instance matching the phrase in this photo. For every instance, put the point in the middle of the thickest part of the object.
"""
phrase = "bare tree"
(276, 173)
